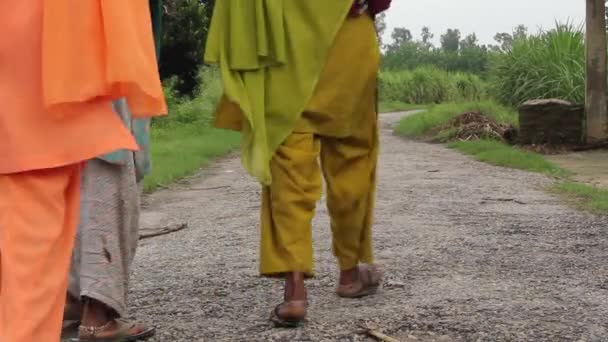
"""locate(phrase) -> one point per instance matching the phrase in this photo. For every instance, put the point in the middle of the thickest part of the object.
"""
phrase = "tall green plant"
(547, 65)
(426, 85)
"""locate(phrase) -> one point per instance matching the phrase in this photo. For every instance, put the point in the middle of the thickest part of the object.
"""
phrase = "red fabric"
(378, 6)
(372, 6)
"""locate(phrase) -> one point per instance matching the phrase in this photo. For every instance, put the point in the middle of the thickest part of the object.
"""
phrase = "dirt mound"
(477, 125)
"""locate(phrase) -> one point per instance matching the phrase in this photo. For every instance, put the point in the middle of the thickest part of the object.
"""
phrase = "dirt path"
(587, 167)
(473, 253)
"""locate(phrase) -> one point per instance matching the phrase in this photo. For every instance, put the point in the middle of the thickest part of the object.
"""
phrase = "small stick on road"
(377, 335)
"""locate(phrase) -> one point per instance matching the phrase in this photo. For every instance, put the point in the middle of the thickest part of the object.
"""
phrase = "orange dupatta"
(100, 50)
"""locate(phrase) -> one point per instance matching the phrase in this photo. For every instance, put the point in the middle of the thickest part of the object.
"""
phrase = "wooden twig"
(206, 189)
(503, 200)
(162, 186)
(150, 233)
(367, 330)
(380, 336)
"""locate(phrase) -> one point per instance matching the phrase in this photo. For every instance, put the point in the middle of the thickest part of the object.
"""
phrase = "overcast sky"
(484, 17)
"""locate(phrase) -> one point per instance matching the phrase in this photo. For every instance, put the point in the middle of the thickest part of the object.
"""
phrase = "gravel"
(472, 252)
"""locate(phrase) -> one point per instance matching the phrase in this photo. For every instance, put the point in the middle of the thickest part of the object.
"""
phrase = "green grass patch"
(421, 124)
(398, 106)
(179, 151)
(590, 197)
(497, 153)
(185, 141)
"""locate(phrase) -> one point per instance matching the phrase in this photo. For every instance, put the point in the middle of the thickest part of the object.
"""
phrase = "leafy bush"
(198, 109)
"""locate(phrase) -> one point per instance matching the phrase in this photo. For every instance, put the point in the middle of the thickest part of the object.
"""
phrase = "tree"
(381, 27)
(427, 37)
(520, 32)
(185, 31)
(454, 55)
(504, 40)
(401, 36)
(469, 42)
(472, 57)
(450, 41)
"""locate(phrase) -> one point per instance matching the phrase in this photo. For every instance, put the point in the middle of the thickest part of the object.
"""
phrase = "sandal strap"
(369, 277)
(123, 326)
(287, 305)
(93, 331)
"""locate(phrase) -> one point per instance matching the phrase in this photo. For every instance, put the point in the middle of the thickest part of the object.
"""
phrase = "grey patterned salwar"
(107, 235)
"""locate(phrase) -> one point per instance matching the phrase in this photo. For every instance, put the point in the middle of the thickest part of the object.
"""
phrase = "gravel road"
(472, 253)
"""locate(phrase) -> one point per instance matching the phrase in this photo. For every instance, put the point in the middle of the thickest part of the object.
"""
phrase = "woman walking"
(56, 92)
(300, 84)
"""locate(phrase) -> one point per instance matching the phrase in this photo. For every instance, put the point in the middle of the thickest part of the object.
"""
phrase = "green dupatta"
(270, 54)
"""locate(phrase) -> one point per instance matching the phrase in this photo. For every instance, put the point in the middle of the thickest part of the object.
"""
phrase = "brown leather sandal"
(117, 330)
(289, 314)
(292, 312)
(370, 278)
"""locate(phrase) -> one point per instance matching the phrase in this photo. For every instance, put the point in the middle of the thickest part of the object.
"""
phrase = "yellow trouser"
(288, 204)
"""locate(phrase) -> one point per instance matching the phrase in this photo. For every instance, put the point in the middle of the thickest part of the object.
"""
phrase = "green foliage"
(547, 65)
(412, 54)
(185, 29)
(185, 141)
(450, 40)
(197, 110)
(423, 123)
(401, 36)
(464, 55)
(427, 85)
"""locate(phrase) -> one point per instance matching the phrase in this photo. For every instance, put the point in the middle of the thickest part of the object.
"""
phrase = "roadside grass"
(586, 196)
(500, 154)
(180, 151)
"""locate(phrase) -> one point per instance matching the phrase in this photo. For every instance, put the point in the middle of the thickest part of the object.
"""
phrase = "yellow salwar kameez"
(339, 127)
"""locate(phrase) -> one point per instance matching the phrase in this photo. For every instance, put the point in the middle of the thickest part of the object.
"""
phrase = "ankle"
(295, 288)
(95, 313)
(349, 276)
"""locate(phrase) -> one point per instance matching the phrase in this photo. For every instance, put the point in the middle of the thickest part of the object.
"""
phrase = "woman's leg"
(38, 218)
(288, 206)
(106, 243)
